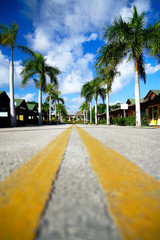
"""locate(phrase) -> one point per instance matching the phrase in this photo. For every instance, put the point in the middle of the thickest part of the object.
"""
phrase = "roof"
(69, 114)
(157, 92)
(31, 106)
(18, 102)
(21, 103)
(131, 101)
(78, 113)
(4, 97)
(2, 92)
(152, 93)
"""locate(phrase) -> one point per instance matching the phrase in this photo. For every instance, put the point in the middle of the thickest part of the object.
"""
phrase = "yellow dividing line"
(24, 193)
(133, 195)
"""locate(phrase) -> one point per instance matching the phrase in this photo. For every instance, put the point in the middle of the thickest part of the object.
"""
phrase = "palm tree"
(97, 91)
(84, 108)
(107, 76)
(57, 99)
(154, 43)
(50, 90)
(37, 66)
(62, 113)
(8, 37)
(130, 38)
(87, 92)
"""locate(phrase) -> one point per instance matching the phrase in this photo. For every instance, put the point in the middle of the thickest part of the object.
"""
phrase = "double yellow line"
(24, 193)
(134, 196)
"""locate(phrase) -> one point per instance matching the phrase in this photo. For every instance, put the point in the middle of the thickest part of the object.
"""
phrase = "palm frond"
(26, 50)
(141, 68)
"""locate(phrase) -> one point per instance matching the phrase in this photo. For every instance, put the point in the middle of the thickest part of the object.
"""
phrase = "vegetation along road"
(80, 182)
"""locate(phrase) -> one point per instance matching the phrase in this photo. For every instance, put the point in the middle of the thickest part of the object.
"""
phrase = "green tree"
(107, 75)
(97, 91)
(8, 37)
(131, 39)
(37, 67)
(50, 90)
(62, 113)
(84, 108)
(87, 91)
(57, 99)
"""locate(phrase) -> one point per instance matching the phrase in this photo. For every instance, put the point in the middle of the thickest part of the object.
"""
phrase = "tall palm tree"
(154, 41)
(97, 91)
(87, 91)
(33, 67)
(131, 39)
(57, 99)
(61, 111)
(50, 89)
(84, 108)
(8, 37)
(107, 76)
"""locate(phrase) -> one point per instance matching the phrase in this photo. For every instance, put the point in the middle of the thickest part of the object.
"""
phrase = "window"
(150, 112)
(155, 113)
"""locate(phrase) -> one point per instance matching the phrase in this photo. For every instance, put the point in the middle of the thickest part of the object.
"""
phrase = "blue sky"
(69, 32)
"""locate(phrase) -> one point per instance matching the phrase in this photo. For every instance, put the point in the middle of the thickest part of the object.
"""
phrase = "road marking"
(24, 193)
(133, 195)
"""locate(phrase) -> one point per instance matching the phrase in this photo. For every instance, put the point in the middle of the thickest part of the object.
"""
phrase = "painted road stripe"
(24, 193)
(133, 195)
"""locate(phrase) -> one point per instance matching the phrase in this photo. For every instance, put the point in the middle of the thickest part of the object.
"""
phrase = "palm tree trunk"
(107, 108)
(50, 110)
(12, 105)
(58, 115)
(90, 112)
(84, 116)
(137, 96)
(55, 110)
(40, 107)
(96, 122)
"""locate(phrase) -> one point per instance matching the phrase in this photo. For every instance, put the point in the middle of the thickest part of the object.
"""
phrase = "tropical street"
(75, 182)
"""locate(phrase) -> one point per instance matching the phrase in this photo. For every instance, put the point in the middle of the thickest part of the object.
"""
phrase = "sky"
(69, 33)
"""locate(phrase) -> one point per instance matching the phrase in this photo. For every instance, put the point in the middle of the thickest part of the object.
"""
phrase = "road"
(86, 199)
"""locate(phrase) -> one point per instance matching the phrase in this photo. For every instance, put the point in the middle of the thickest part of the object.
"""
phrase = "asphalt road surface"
(78, 207)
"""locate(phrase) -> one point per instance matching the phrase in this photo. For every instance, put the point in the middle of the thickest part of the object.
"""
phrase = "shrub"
(121, 121)
(130, 121)
(102, 121)
(145, 120)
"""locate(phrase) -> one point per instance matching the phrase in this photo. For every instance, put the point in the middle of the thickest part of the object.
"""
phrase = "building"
(79, 116)
(4, 109)
(32, 114)
(150, 106)
(21, 112)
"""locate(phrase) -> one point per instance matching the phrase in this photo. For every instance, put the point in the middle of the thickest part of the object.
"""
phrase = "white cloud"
(77, 100)
(61, 28)
(150, 69)
(39, 40)
(73, 108)
(143, 5)
(65, 99)
(77, 75)
(127, 74)
(5, 70)
(29, 97)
